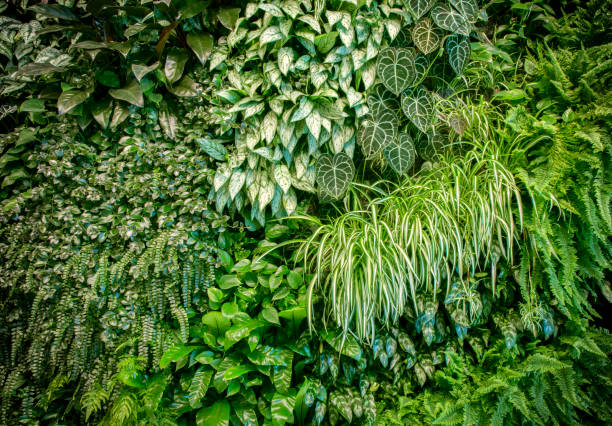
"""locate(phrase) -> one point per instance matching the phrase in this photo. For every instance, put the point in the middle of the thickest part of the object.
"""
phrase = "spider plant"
(437, 226)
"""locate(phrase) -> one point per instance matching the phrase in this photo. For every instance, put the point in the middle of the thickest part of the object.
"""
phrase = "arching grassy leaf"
(450, 20)
(419, 107)
(395, 68)
(381, 99)
(426, 36)
(334, 174)
(459, 50)
(421, 64)
(401, 153)
(418, 7)
(376, 132)
(468, 8)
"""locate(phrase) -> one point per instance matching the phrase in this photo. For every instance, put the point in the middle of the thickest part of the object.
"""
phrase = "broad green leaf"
(217, 414)
(240, 331)
(216, 322)
(282, 408)
(108, 78)
(229, 281)
(141, 70)
(376, 132)
(185, 88)
(236, 371)
(228, 17)
(119, 115)
(511, 95)
(168, 121)
(468, 8)
(175, 353)
(55, 11)
(36, 68)
(459, 50)
(295, 280)
(201, 44)
(131, 93)
(32, 105)
(395, 68)
(419, 107)
(270, 314)
(450, 20)
(16, 175)
(418, 8)
(267, 356)
(426, 36)
(102, 111)
(295, 315)
(281, 377)
(69, 99)
(325, 42)
(401, 153)
(175, 64)
(334, 174)
(199, 386)
(344, 344)
(230, 310)
(212, 148)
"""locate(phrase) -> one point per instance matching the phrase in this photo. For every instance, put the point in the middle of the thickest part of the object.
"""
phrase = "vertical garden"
(309, 212)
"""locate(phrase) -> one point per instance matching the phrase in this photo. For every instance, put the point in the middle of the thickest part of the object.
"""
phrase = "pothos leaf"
(376, 132)
(418, 7)
(334, 174)
(395, 68)
(131, 93)
(459, 50)
(201, 44)
(282, 408)
(199, 385)
(450, 20)
(217, 414)
(71, 98)
(401, 153)
(419, 107)
(468, 8)
(426, 36)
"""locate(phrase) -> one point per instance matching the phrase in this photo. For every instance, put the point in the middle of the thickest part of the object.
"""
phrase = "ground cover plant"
(305, 212)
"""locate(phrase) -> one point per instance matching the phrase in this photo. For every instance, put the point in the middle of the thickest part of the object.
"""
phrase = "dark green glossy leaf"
(131, 93)
(216, 415)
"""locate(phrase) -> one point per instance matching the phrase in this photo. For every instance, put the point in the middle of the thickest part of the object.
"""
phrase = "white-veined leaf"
(395, 68)
(376, 132)
(468, 8)
(418, 7)
(334, 174)
(401, 153)
(419, 107)
(450, 20)
(426, 36)
(459, 50)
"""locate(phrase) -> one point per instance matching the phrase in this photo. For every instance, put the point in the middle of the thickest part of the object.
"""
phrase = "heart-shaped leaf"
(376, 132)
(401, 153)
(426, 36)
(459, 50)
(421, 65)
(395, 68)
(419, 107)
(380, 99)
(175, 64)
(403, 38)
(71, 98)
(201, 44)
(334, 174)
(418, 7)
(429, 145)
(468, 8)
(450, 20)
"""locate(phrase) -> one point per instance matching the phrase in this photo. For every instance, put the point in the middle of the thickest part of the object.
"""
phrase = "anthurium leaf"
(419, 8)
(131, 93)
(450, 20)
(282, 408)
(70, 99)
(175, 353)
(426, 36)
(334, 174)
(216, 322)
(419, 107)
(401, 153)
(376, 132)
(32, 105)
(421, 65)
(217, 414)
(199, 386)
(395, 68)
(201, 44)
(236, 371)
(212, 148)
(468, 8)
(175, 64)
(380, 100)
(459, 50)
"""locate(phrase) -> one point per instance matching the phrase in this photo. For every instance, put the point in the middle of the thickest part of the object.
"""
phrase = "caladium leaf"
(376, 132)
(401, 154)
(418, 8)
(419, 107)
(468, 8)
(459, 50)
(450, 20)
(334, 174)
(426, 36)
(395, 68)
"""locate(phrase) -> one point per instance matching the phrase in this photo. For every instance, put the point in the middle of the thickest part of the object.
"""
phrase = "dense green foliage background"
(306, 212)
